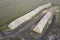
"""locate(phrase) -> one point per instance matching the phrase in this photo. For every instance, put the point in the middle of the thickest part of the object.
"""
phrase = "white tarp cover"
(39, 27)
(14, 24)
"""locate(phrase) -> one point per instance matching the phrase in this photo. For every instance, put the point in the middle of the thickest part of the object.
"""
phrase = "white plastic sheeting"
(47, 18)
(14, 24)
(42, 22)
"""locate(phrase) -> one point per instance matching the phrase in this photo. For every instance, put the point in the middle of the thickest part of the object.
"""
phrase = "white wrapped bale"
(46, 19)
(42, 23)
(14, 24)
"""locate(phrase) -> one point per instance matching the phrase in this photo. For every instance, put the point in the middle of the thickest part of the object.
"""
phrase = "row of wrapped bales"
(14, 24)
(46, 19)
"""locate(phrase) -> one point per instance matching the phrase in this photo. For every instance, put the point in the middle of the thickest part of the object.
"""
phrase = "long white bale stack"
(41, 24)
(14, 24)
(39, 27)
